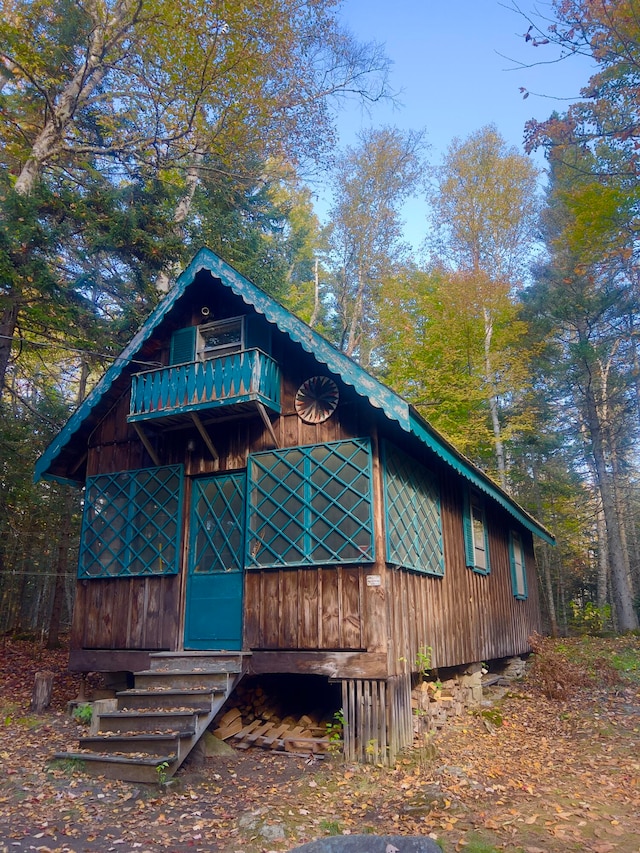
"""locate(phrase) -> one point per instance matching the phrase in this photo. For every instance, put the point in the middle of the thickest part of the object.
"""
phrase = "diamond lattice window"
(131, 523)
(414, 532)
(311, 505)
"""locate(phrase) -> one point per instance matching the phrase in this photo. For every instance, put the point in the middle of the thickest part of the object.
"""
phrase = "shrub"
(552, 672)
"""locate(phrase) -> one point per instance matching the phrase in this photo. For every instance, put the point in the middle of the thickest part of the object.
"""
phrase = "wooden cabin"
(256, 502)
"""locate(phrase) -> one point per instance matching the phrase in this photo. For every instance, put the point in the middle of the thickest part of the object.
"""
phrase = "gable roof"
(378, 394)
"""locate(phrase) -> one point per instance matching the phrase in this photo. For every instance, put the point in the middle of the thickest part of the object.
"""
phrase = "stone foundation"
(434, 701)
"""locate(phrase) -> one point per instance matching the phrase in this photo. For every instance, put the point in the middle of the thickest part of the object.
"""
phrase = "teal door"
(215, 575)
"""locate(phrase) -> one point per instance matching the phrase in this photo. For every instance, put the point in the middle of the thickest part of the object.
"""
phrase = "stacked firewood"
(256, 720)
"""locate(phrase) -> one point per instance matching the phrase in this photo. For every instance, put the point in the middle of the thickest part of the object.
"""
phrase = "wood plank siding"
(126, 613)
(329, 616)
(463, 616)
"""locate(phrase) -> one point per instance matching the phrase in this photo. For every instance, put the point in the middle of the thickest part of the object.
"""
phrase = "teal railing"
(224, 381)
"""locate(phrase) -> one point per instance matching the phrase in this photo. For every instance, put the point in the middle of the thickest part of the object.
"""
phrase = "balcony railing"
(229, 380)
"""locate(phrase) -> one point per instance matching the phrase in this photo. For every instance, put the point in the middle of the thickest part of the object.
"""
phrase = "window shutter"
(487, 558)
(512, 563)
(468, 531)
(518, 572)
(257, 333)
(183, 345)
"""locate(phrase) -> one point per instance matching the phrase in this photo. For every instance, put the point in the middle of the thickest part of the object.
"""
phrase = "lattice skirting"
(377, 718)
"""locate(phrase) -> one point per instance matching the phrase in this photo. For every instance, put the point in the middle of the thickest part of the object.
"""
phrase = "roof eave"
(378, 395)
(474, 475)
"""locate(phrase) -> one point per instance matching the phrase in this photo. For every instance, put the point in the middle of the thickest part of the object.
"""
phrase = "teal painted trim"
(521, 596)
(93, 399)
(126, 523)
(413, 518)
(385, 488)
(467, 529)
(379, 396)
(199, 407)
(441, 447)
(183, 345)
(224, 381)
(301, 501)
(487, 551)
(214, 595)
(469, 540)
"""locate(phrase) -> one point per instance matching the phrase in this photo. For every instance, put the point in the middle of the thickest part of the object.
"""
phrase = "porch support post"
(147, 444)
(267, 423)
(205, 435)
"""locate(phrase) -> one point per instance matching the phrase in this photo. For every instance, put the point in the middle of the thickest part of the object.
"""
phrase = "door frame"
(192, 522)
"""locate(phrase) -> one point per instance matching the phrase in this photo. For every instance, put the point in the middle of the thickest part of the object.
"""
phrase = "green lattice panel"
(218, 523)
(414, 533)
(311, 505)
(131, 523)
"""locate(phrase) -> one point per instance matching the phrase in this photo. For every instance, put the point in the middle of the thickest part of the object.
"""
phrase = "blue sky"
(458, 66)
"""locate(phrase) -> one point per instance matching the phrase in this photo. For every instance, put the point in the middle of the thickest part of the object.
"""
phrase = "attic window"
(221, 338)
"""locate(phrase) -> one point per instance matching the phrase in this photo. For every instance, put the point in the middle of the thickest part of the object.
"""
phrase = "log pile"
(256, 720)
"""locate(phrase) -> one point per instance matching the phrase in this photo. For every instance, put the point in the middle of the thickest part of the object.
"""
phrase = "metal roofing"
(378, 394)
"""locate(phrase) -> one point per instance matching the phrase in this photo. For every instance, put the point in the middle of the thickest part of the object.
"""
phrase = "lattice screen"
(311, 505)
(131, 523)
(414, 532)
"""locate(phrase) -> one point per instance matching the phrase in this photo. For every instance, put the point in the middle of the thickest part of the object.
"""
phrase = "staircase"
(160, 720)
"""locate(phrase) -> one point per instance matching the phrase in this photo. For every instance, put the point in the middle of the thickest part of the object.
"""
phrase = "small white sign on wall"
(373, 580)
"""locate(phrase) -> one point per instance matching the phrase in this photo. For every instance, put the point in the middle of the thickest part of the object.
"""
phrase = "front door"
(215, 565)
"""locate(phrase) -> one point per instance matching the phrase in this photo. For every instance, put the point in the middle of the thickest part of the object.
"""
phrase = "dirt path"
(535, 776)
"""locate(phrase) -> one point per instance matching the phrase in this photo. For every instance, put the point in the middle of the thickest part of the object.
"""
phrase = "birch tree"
(485, 207)
(372, 181)
(433, 329)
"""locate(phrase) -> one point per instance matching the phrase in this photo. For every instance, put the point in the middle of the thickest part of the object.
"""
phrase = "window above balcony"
(220, 338)
(225, 363)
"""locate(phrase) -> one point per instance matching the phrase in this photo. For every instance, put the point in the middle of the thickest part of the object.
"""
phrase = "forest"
(133, 132)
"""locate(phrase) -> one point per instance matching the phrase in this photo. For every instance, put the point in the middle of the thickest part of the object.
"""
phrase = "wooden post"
(42, 688)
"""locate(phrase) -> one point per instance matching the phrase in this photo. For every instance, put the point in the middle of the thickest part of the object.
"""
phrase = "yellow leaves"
(564, 815)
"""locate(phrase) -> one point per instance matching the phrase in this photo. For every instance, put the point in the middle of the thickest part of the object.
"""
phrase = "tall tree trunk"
(316, 296)
(163, 281)
(603, 560)
(8, 325)
(493, 399)
(108, 30)
(547, 585)
(621, 592)
(356, 316)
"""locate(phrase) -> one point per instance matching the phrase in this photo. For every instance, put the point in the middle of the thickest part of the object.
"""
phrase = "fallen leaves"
(556, 776)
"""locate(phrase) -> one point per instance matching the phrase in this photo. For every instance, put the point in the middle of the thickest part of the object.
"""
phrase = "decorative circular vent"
(316, 399)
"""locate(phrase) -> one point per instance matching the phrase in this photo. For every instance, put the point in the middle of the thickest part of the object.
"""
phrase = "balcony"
(234, 380)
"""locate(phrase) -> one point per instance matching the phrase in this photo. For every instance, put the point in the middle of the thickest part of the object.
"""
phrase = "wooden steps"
(159, 721)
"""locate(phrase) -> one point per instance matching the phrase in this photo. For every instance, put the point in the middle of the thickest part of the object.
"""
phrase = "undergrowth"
(561, 666)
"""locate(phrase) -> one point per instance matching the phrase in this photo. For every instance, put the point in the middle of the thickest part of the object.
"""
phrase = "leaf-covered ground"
(531, 775)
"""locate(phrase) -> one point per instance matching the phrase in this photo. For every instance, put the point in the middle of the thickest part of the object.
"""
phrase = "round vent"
(316, 399)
